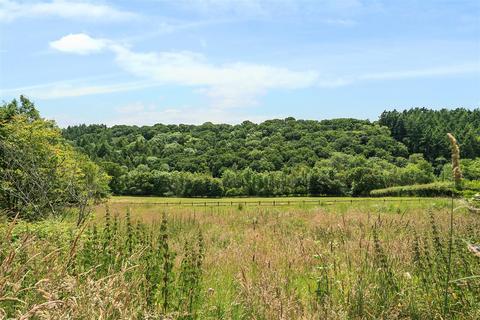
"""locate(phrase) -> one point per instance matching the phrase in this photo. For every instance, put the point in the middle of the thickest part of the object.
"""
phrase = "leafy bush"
(41, 174)
(471, 188)
(436, 189)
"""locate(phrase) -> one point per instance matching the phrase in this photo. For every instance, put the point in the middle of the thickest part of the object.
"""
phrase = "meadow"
(359, 259)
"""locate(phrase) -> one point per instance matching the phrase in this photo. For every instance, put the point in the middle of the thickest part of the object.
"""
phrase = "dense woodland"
(423, 131)
(277, 157)
(283, 156)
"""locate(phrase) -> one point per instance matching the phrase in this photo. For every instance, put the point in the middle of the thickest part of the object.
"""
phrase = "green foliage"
(281, 157)
(386, 280)
(340, 157)
(26, 109)
(342, 174)
(40, 172)
(470, 170)
(400, 264)
(140, 253)
(110, 249)
(424, 130)
(272, 158)
(437, 189)
(208, 148)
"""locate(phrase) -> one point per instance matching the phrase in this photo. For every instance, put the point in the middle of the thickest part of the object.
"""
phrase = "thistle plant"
(190, 276)
(167, 260)
(129, 237)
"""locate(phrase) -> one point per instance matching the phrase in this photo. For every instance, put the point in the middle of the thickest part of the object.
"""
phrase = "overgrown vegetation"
(329, 260)
(41, 174)
(127, 265)
(375, 260)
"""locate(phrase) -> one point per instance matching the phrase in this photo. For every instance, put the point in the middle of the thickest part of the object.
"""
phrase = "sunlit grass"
(366, 260)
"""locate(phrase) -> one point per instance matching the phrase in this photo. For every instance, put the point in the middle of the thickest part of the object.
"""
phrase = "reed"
(456, 170)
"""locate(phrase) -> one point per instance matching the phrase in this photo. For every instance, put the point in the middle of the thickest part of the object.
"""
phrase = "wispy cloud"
(66, 89)
(268, 8)
(167, 26)
(67, 9)
(229, 85)
(340, 22)
(237, 84)
(438, 71)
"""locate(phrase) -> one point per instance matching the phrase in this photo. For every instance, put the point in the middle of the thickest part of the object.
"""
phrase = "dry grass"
(374, 260)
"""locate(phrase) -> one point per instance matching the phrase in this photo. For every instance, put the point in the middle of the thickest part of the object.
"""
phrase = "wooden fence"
(271, 203)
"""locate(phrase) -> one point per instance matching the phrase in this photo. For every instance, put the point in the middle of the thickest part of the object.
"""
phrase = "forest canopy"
(282, 156)
(44, 169)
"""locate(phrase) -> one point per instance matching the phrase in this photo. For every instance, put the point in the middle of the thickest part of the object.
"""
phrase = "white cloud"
(79, 43)
(67, 9)
(229, 85)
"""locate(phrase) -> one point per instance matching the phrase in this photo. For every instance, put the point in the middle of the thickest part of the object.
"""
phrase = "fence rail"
(269, 203)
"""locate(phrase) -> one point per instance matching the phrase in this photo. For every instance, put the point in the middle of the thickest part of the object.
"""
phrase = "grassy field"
(365, 259)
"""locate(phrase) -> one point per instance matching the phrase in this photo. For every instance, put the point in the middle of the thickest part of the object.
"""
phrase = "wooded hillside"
(282, 156)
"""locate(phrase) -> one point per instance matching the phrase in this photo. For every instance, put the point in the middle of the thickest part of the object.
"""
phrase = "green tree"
(40, 172)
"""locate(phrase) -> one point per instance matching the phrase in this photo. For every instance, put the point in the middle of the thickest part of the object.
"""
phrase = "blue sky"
(191, 61)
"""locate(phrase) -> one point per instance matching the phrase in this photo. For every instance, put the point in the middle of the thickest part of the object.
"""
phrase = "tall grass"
(368, 261)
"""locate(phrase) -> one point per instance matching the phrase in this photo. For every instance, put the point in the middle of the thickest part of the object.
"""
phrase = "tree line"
(45, 170)
(424, 131)
(282, 156)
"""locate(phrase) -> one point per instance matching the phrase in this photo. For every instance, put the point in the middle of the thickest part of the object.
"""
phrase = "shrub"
(436, 189)
(470, 188)
(41, 174)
